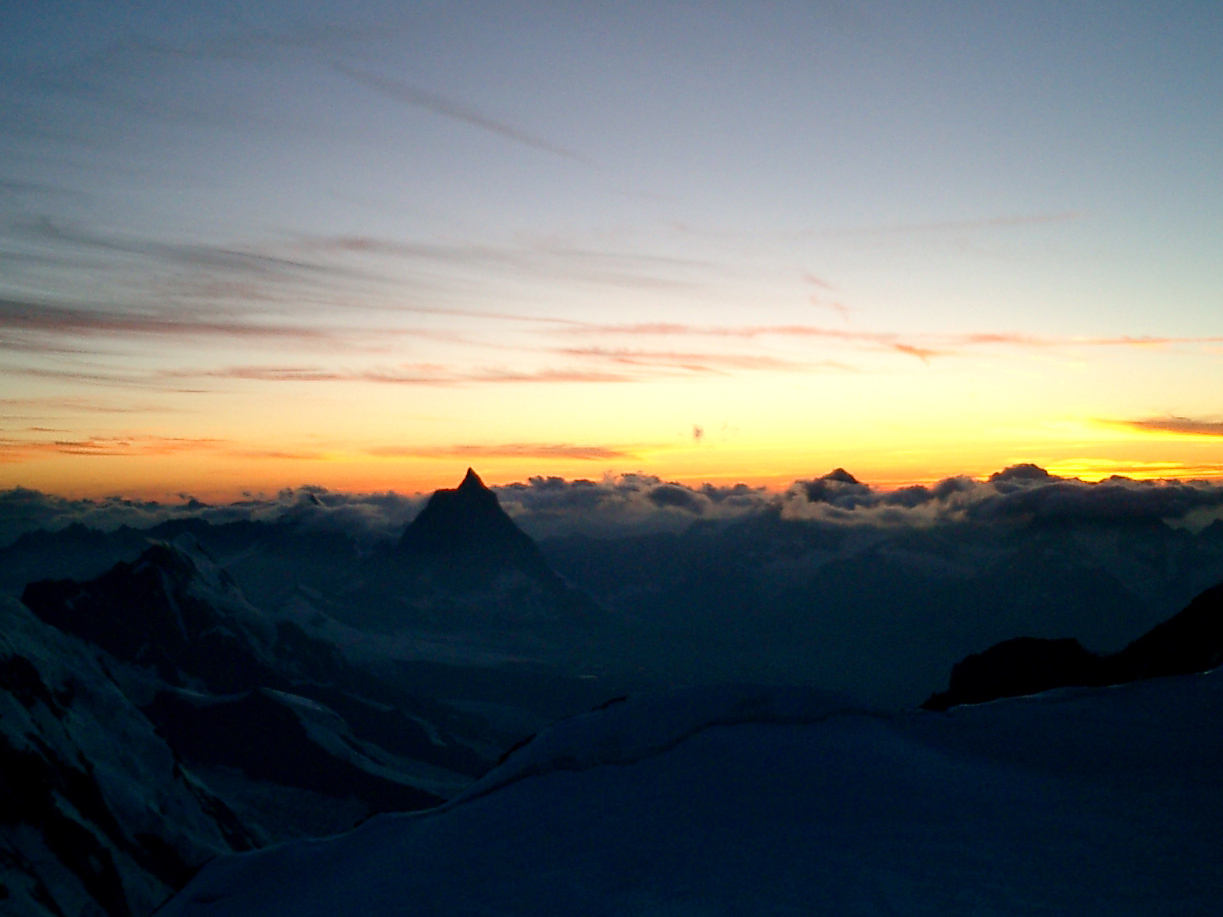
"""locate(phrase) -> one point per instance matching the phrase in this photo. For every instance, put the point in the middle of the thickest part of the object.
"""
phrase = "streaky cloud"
(506, 450)
(541, 259)
(440, 105)
(700, 362)
(19, 450)
(184, 254)
(1004, 221)
(49, 318)
(911, 344)
(1183, 425)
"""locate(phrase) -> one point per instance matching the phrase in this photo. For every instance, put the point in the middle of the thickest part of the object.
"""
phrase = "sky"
(363, 245)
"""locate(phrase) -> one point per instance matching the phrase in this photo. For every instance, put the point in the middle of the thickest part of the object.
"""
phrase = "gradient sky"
(245, 246)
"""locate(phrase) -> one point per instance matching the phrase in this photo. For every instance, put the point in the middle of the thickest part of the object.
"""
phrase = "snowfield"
(742, 801)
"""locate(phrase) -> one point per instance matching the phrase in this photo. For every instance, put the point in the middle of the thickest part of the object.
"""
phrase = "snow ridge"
(628, 730)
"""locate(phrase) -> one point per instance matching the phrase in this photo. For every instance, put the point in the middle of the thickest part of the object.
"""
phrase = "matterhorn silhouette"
(466, 528)
(462, 563)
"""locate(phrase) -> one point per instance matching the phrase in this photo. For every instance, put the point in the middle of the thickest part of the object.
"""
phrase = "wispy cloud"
(20, 450)
(423, 374)
(506, 450)
(913, 344)
(696, 362)
(440, 105)
(94, 376)
(1183, 425)
(32, 408)
(37, 327)
(922, 353)
(1004, 221)
(232, 260)
(17, 315)
(293, 455)
(540, 259)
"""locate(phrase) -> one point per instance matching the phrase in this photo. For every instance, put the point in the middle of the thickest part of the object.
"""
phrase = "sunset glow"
(367, 245)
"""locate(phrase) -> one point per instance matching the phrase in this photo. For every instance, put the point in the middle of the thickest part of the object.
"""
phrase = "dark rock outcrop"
(1025, 665)
(1188, 642)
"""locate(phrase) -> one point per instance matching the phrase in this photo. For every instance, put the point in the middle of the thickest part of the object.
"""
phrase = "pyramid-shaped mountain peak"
(468, 520)
(471, 481)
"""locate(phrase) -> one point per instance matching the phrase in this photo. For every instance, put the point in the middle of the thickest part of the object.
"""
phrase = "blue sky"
(363, 244)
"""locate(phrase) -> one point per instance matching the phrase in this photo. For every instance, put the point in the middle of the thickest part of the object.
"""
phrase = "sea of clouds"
(637, 504)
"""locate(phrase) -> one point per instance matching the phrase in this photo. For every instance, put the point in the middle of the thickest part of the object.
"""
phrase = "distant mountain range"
(882, 612)
(225, 687)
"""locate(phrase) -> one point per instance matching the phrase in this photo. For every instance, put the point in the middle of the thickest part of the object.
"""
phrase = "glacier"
(738, 800)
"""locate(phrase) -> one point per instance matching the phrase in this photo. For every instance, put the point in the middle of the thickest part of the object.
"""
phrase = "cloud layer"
(638, 504)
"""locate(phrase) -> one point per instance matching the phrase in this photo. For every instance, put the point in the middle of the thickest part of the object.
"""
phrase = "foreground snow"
(1084, 801)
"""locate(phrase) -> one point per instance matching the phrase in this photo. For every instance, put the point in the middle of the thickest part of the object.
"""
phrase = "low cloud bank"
(1017, 493)
(638, 504)
(366, 517)
(631, 503)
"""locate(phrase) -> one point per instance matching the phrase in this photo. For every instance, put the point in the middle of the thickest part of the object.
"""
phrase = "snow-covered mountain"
(97, 813)
(296, 738)
(1081, 801)
(154, 717)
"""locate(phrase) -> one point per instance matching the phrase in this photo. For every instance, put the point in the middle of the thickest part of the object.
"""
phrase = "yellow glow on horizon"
(769, 434)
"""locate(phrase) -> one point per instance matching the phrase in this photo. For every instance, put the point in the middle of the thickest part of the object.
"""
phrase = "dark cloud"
(677, 496)
(1113, 500)
(1018, 493)
(838, 488)
(1022, 475)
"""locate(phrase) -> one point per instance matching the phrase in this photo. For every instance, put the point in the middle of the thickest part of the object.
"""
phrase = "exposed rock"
(1188, 642)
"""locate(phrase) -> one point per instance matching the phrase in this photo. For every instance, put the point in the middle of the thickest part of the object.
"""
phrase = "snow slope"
(95, 810)
(734, 801)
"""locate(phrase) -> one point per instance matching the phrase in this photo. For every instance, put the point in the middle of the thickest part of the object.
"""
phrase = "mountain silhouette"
(1190, 641)
(466, 526)
(463, 563)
